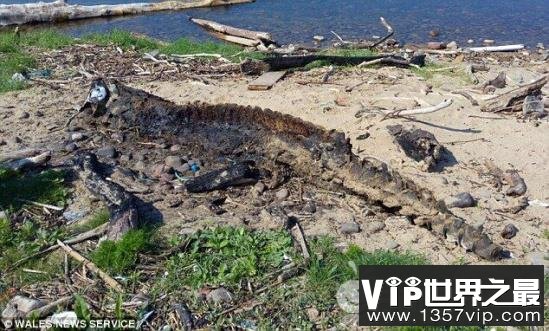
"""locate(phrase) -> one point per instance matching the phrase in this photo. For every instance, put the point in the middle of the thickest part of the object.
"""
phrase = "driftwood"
(420, 145)
(365, 44)
(238, 174)
(418, 111)
(121, 204)
(505, 48)
(61, 11)
(90, 265)
(512, 100)
(236, 40)
(226, 30)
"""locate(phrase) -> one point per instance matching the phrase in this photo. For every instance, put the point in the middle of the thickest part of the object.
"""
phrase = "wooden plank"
(266, 81)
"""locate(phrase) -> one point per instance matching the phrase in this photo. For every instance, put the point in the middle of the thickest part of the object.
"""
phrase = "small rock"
(349, 228)
(313, 314)
(74, 215)
(70, 147)
(173, 161)
(509, 231)
(77, 136)
(175, 148)
(19, 306)
(106, 152)
(391, 244)
(363, 136)
(318, 38)
(3, 142)
(158, 169)
(461, 200)
(489, 42)
(470, 41)
(452, 46)
(436, 45)
(259, 187)
(18, 77)
(310, 207)
(167, 177)
(126, 157)
(375, 226)
(282, 194)
(24, 115)
(16, 140)
(532, 104)
(220, 295)
(139, 165)
(38, 113)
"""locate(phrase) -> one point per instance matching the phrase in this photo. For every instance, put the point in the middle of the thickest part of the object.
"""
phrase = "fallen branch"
(90, 265)
(327, 75)
(512, 100)
(93, 233)
(390, 32)
(61, 11)
(427, 110)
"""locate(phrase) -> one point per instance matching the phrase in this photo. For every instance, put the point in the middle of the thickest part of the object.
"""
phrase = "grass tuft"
(123, 39)
(96, 220)
(120, 256)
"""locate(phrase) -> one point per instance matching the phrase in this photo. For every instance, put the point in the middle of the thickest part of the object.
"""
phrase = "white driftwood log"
(427, 110)
(229, 30)
(504, 48)
(61, 11)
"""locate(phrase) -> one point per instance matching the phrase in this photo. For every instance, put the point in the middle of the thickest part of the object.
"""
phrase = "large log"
(512, 100)
(61, 11)
(229, 30)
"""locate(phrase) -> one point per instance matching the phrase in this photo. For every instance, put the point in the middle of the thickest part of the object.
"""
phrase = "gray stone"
(175, 148)
(259, 187)
(74, 215)
(77, 136)
(19, 306)
(310, 207)
(107, 152)
(461, 200)
(139, 165)
(220, 295)
(470, 41)
(349, 228)
(532, 104)
(18, 77)
(282, 194)
(509, 231)
(24, 115)
(452, 46)
(173, 161)
(375, 226)
(391, 244)
(70, 147)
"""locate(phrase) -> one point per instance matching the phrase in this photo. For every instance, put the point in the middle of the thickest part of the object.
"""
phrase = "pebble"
(313, 314)
(532, 104)
(70, 147)
(310, 207)
(77, 136)
(16, 140)
(470, 41)
(107, 152)
(173, 161)
(139, 165)
(24, 115)
(375, 226)
(452, 46)
(220, 295)
(349, 228)
(318, 38)
(282, 194)
(436, 45)
(461, 200)
(509, 231)
(175, 148)
(391, 244)
(259, 187)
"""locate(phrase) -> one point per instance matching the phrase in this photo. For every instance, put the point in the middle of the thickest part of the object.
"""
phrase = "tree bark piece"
(232, 31)
(121, 204)
(512, 100)
(90, 265)
(61, 11)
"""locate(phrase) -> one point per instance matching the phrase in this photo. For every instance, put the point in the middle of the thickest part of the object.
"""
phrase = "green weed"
(96, 220)
(120, 256)
(123, 39)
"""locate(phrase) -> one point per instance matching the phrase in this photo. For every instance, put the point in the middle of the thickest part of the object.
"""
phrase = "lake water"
(505, 21)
